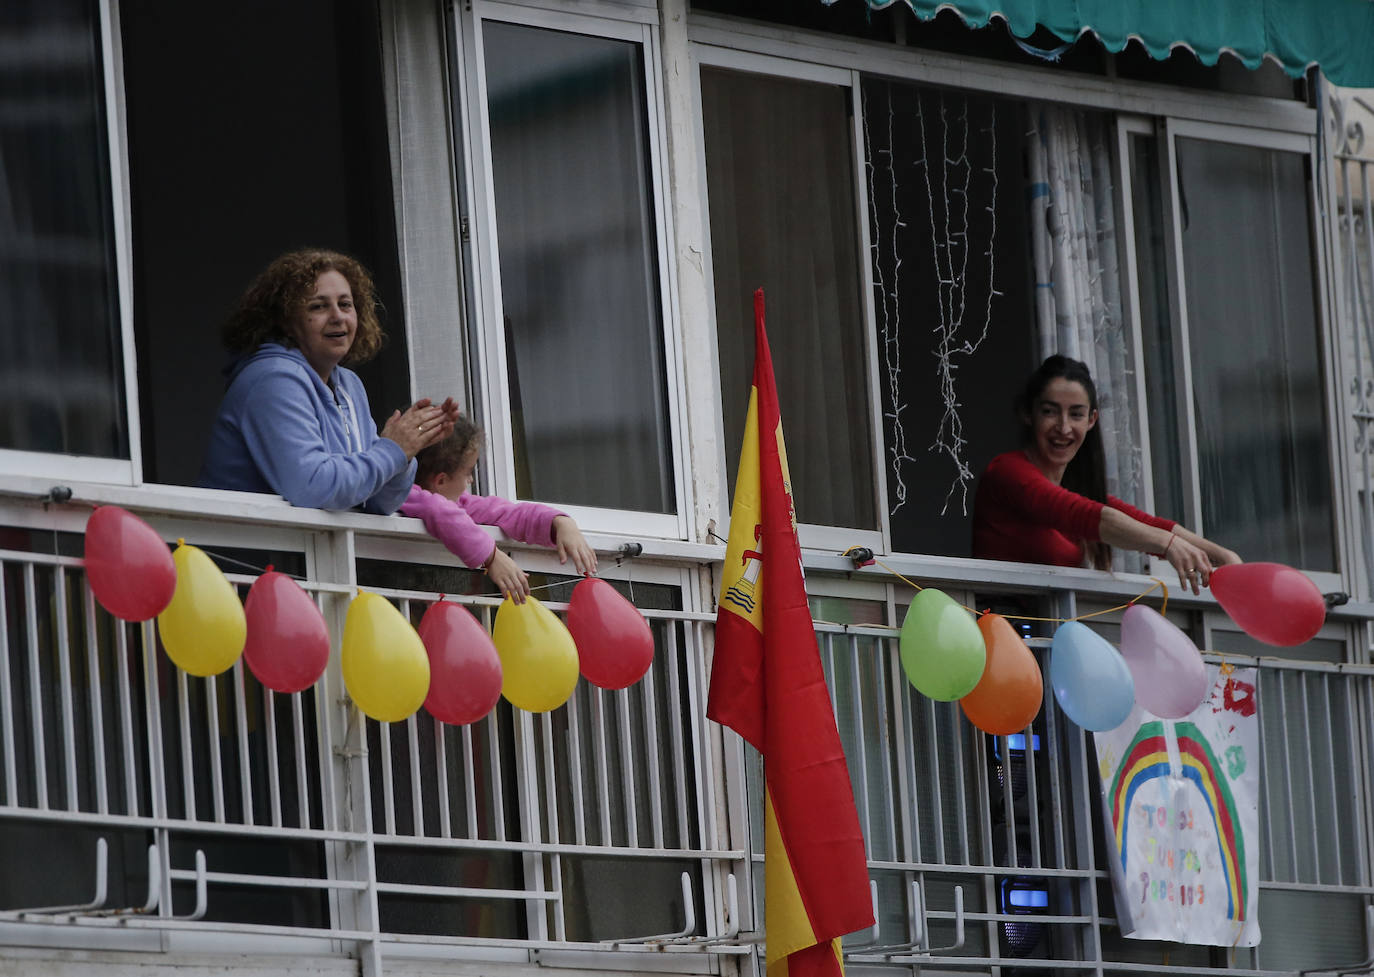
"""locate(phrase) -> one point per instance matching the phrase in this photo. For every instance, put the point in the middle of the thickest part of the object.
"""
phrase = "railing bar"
(188, 767)
(216, 759)
(417, 800)
(1359, 799)
(7, 697)
(388, 775)
(704, 760)
(302, 771)
(602, 765)
(64, 671)
(651, 756)
(627, 768)
(672, 653)
(885, 725)
(904, 761)
(860, 747)
(576, 774)
(40, 757)
(984, 792)
(552, 827)
(330, 697)
(473, 828)
(102, 790)
(960, 788)
(1266, 822)
(441, 778)
(1288, 777)
(827, 656)
(269, 726)
(126, 719)
(1033, 798)
(937, 801)
(157, 785)
(1311, 780)
(498, 794)
(1013, 855)
(1331, 781)
(1054, 750)
(245, 759)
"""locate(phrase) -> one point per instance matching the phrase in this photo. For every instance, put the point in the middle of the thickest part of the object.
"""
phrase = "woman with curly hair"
(294, 420)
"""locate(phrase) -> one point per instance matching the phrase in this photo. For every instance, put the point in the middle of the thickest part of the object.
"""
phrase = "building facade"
(567, 205)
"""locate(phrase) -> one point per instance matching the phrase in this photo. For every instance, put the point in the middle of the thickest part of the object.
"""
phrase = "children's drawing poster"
(1181, 803)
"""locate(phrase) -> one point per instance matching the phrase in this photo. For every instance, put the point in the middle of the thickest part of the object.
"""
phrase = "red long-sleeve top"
(1020, 515)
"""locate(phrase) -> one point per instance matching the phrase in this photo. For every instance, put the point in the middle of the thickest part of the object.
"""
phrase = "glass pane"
(781, 182)
(1255, 352)
(579, 268)
(61, 366)
(1156, 328)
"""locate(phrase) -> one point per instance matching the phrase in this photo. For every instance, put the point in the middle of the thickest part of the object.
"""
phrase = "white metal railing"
(223, 806)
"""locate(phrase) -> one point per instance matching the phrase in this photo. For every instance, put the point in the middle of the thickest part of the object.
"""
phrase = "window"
(579, 269)
(1238, 412)
(282, 145)
(62, 355)
(780, 175)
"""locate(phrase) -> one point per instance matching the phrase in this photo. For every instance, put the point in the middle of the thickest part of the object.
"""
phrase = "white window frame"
(1166, 132)
(117, 471)
(812, 536)
(635, 25)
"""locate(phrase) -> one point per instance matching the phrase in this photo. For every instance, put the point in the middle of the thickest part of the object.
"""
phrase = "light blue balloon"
(1090, 678)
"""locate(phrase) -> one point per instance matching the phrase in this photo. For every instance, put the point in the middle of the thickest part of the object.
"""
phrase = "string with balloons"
(451, 665)
(983, 663)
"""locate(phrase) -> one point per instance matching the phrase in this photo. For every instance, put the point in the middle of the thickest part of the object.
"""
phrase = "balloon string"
(1157, 585)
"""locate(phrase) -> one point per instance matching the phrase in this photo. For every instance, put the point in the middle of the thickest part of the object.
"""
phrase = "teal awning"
(1338, 35)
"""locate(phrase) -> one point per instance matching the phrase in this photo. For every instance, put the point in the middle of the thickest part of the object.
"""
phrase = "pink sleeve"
(1042, 502)
(529, 522)
(450, 523)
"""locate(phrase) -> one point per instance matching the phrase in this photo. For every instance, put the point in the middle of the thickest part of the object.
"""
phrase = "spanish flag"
(767, 684)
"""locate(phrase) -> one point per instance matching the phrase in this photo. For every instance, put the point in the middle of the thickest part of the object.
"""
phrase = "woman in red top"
(1048, 502)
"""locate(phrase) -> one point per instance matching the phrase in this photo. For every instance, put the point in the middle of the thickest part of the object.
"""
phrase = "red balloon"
(288, 644)
(464, 668)
(128, 566)
(1009, 694)
(614, 644)
(1271, 602)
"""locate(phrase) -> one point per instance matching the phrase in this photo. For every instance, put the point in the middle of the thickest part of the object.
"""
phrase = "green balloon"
(942, 649)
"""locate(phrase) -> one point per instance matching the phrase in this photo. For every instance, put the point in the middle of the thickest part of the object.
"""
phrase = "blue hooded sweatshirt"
(281, 429)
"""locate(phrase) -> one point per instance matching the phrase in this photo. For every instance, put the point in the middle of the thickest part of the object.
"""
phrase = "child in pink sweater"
(441, 500)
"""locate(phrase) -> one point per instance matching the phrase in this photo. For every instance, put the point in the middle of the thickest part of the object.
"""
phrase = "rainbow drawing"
(1146, 758)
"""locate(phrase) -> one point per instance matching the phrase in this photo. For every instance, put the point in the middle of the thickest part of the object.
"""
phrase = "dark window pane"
(61, 363)
(579, 268)
(780, 174)
(1256, 353)
(283, 144)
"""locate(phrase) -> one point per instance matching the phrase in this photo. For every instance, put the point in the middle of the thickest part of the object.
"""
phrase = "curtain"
(1077, 274)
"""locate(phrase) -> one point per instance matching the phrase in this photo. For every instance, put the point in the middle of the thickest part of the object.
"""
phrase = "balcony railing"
(224, 808)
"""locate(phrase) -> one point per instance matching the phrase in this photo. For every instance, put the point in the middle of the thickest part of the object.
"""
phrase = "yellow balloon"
(203, 628)
(385, 667)
(538, 656)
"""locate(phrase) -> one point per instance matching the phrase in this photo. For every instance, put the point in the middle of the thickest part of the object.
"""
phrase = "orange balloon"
(1009, 694)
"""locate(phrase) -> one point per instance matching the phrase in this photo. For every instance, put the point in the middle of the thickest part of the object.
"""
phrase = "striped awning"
(1338, 35)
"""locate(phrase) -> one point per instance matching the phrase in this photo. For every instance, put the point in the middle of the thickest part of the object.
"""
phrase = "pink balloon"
(288, 644)
(1170, 678)
(1270, 602)
(464, 668)
(128, 566)
(614, 644)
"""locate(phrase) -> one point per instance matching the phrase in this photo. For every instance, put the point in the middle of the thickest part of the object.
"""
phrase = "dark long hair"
(1086, 474)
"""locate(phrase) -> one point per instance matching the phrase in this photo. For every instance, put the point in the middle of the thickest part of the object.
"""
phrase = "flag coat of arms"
(768, 685)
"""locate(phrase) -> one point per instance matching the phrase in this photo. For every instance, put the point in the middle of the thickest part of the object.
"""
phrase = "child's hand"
(508, 577)
(571, 543)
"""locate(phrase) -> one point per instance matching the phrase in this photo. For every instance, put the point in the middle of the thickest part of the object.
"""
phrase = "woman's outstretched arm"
(1188, 553)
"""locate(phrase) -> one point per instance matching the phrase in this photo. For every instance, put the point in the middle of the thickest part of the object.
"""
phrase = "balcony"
(228, 812)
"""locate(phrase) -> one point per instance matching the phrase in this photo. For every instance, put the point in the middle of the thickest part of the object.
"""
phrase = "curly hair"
(279, 293)
(445, 456)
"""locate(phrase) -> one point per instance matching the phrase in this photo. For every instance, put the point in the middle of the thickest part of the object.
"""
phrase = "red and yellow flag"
(767, 684)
